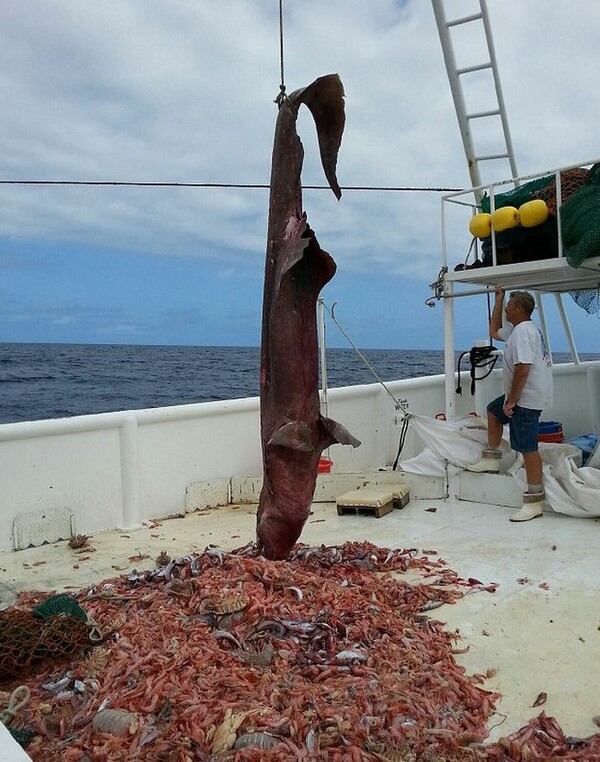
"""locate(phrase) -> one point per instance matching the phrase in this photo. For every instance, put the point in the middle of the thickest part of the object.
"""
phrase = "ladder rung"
(492, 156)
(477, 67)
(464, 20)
(479, 114)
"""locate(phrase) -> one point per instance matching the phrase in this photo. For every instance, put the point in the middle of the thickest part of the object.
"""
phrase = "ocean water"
(40, 381)
(58, 380)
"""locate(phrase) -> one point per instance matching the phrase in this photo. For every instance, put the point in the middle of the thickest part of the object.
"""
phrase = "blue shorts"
(524, 425)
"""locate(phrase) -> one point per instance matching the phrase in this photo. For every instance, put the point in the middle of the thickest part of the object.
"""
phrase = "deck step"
(401, 495)
(366, 501)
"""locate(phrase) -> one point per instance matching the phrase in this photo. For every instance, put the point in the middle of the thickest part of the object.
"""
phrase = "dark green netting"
(517, 196)
(56, 628)
(594, 177)
(22, 737)
(523, 244)
(580, 225)
(59, 604)
(580, 222)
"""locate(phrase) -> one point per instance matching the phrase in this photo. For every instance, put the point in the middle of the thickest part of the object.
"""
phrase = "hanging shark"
(293, 431)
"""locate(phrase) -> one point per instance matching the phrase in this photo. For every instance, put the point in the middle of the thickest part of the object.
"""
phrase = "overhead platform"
(547, 275)
(553, 275)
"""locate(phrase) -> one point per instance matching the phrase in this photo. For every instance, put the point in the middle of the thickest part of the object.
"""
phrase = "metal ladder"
(480, 23)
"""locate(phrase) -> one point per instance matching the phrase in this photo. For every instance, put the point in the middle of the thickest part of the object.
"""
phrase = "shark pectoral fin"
(340, 433)
(325, 99)
(294, 434)
(294, 242)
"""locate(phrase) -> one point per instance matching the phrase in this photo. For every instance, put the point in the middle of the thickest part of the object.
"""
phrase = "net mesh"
(523, 244)
(580, 228)
(571, 180)
(55, 629)
(588, 300)
(580, 225)
(517, 196)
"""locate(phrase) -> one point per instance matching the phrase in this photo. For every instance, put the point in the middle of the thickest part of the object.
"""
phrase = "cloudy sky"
(181, 91)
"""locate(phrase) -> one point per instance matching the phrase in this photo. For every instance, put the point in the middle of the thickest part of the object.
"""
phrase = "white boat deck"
(540, 630)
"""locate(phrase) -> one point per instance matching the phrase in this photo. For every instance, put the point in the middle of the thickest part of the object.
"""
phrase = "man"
(527, 390)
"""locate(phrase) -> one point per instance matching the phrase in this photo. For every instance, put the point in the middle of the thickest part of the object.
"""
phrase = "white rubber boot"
(489, 463)
(532, 508)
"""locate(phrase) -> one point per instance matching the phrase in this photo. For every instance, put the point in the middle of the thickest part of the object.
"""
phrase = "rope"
(397, 403)
(479, 357)
(438, 288)
(18, 699)
(155, 184)
(402, 442)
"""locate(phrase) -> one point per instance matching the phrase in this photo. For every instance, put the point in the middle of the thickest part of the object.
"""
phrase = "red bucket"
(551, 431)
(325, 465)
(557, 438)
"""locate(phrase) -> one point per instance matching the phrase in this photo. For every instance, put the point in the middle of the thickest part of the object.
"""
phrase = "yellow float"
(533, 213)
(480, 225)
(505, 218)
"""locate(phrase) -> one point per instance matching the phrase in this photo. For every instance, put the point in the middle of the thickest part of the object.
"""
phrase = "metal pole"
(322, 354)
(567, 329)
(449, 354)
(543, 326)
(558, 205)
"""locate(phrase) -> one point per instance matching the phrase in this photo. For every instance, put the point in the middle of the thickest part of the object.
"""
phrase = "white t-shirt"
(525, 344)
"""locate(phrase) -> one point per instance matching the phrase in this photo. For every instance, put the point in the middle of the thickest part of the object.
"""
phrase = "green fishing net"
(56, 628)
(523, 244)
(22, 737)
(59, 604)
(580, 225)
(517, 196)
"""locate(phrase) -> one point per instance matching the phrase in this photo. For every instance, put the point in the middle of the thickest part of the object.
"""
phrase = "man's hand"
(509, 408)
(499, 291)
(520, 374)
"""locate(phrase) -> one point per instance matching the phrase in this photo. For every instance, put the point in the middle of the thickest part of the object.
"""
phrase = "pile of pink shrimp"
(334, 654)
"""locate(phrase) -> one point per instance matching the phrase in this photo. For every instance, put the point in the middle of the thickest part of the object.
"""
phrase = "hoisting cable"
(282, 95)
(397, 403)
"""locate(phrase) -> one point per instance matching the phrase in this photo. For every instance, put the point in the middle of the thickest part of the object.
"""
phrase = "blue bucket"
(550, 427)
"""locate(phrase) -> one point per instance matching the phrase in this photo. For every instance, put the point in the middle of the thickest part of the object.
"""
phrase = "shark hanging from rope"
(293, 432)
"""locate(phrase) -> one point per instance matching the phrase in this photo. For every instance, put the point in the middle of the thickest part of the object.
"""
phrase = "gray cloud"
(132, 90)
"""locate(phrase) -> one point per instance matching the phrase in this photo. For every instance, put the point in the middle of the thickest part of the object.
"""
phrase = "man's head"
(519, 307)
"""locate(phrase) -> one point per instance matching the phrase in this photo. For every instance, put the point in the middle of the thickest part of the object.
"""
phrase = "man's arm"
(496, 319)
(520, 374)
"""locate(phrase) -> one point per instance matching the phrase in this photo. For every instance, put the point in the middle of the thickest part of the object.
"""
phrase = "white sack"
(569, 488)
(450, 446)
(457, 443)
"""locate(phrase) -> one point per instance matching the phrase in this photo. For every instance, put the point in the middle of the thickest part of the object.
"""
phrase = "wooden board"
(367, 510)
